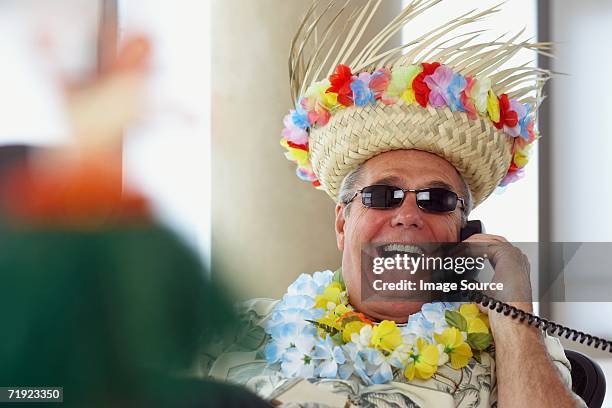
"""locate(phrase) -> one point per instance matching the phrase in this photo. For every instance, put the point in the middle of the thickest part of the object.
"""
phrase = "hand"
(511, 268)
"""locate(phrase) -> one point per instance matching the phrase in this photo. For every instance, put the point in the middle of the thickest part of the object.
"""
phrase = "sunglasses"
(436, 200)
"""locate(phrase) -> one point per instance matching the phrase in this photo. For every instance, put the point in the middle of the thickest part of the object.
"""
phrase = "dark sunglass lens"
(381, 196)
(437, 200)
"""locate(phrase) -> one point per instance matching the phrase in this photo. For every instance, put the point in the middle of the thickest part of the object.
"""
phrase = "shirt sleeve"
(557, 355)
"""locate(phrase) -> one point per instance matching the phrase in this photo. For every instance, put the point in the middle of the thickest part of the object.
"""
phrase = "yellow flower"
(330, 297)
(454, 345)
(469, 311)
(521, 158)
(331, 325)
(477, 326)
(295, 155)
(330, 101)
(400, 84)
(493, 106)
(341, 309)
(477, 322)
(350, 328)
(386, 336)
(316, 93)
(425, 361)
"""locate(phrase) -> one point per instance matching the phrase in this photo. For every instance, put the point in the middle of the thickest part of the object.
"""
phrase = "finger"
(486, 238)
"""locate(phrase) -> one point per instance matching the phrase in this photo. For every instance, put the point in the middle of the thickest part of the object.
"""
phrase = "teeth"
(410, 249)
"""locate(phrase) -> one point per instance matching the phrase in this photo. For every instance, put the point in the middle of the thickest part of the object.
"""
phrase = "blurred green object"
(107, 313)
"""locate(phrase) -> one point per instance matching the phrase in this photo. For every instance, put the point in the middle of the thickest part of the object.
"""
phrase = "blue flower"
(369, 364)
(362, 94)
(322, 279)
(299, 117)
(295, 301)
(524, 122)
(435, 314)
(418, 326)
(303, 285)
(456, 86)
(295, 315)
(377, 367)
(283, 336)
(298, 361)
(310, 285)
(331, 355)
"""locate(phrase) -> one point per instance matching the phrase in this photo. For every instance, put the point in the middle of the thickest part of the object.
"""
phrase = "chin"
(398, 311)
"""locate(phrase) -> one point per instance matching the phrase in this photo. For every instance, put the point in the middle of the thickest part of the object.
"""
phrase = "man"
(531, 380)
(405, 141)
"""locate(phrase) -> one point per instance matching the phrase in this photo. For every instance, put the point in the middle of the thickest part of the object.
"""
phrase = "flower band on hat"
(432, 84)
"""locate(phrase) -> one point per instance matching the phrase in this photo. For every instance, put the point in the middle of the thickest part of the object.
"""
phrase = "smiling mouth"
(393, 249)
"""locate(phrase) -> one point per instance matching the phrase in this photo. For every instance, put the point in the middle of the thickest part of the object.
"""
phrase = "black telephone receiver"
(477, 227)
(472, 227)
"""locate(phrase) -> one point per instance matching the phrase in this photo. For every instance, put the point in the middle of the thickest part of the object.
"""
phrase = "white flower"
(480, 92)
(400, 355)
(362, 340)
(443, 357)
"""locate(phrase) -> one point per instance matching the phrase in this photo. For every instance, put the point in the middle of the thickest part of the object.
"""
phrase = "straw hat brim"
(480, 152)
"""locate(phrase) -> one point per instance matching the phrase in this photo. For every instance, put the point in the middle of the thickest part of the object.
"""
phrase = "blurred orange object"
(77, 194)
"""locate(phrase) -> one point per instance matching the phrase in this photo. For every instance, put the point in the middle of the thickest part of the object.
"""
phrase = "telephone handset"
(476, 227)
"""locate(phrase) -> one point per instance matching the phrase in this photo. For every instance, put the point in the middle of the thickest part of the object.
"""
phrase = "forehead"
(410, 169)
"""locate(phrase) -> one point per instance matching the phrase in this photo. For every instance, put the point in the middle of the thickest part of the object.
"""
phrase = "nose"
(408, 215)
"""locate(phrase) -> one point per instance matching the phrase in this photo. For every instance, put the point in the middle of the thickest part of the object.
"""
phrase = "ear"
(340, 223)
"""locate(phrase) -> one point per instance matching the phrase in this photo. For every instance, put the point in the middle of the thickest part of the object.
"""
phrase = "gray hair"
(348, 187)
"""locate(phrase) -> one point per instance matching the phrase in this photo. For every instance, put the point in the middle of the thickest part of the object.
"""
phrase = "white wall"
(581, 143)
(167, 154)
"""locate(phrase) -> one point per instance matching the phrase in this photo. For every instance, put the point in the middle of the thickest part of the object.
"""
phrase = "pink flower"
(293, 133)
(379, 82)
(511, 177)
(438, 84)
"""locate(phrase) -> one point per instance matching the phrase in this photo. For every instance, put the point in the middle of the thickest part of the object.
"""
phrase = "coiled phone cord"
(536, 321)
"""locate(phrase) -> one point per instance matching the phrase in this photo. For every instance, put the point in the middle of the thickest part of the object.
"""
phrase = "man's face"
(408, 169)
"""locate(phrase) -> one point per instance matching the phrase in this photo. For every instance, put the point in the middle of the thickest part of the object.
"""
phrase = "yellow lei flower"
(400, 84)
(425, 361)
(386, 336)
(330, 298)
(477, 322)
(454, 345)
(296, 155)
(493, 106)
(316, 93)
(521, 157)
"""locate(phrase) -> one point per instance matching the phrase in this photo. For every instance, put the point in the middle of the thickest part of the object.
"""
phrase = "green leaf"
(332, 331)
(337, 338)
(477, 356)
(479, 341)
(338, 278)
(455, 319)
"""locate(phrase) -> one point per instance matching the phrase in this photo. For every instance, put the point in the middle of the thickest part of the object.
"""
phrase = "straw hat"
(442, 93)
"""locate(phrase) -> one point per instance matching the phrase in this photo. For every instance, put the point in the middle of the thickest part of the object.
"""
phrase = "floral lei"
(426, 84)
(314, 332)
